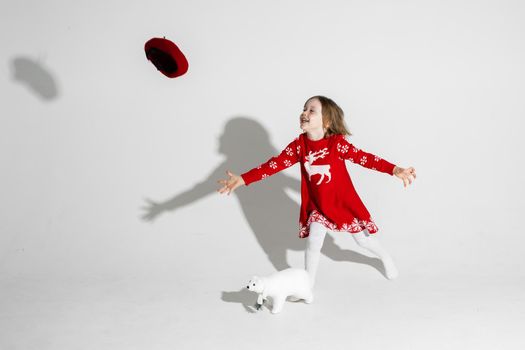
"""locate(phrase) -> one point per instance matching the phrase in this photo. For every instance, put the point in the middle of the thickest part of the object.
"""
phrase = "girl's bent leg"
(314, 244)
(370, 243)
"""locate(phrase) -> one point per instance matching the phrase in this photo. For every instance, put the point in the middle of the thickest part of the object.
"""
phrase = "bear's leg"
(309, 298)
(278, 303)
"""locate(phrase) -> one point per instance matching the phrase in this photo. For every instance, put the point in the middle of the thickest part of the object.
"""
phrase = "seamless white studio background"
(90, 133)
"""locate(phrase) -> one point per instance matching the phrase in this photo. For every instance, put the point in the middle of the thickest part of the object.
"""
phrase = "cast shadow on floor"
(270, 212)
(35, 76)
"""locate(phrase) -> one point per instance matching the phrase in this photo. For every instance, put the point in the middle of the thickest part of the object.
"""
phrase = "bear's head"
(255, 285)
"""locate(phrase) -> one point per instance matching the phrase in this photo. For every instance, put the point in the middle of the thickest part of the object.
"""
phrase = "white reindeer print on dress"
(317, 169)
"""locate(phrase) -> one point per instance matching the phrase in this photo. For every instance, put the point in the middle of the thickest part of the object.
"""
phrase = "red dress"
(327, 193)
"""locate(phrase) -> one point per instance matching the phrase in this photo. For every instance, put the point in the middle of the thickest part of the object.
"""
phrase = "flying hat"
(166, 56)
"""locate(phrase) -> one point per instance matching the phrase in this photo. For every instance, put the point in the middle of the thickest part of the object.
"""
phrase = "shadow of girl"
(270, 212)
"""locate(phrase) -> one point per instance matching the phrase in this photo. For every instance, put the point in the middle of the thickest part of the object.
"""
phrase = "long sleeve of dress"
(368, 160)
(288, 157)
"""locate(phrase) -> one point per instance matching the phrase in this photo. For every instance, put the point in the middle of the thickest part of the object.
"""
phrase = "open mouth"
(305, 120)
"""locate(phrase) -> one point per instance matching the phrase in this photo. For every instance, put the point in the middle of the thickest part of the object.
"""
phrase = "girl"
(329, 200)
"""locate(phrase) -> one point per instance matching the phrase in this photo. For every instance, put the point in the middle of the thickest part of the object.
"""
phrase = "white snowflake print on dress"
(363, 160)
(342, 148)
(359, 225)
(298, 149)
(289, 151)
(264, 176)
(377, 159)
(273, 165)
(317, 169)
(355, 150)
(287, 162)
(355, 226)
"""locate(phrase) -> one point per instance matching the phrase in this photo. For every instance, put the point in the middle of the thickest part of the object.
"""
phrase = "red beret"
(166, 56)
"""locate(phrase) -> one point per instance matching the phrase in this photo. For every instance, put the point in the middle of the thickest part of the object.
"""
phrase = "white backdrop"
(91, 133)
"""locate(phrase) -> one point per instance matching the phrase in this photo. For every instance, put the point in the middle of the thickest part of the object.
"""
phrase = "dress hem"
(355, 226)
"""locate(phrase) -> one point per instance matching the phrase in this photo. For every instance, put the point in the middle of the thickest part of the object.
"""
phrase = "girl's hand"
(407, 175)
(231, 184)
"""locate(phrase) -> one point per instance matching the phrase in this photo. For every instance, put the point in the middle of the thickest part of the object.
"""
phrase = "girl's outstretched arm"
(368, 160)
(287, 158)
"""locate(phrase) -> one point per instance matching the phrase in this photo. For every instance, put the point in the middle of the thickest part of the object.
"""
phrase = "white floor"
(355, 307)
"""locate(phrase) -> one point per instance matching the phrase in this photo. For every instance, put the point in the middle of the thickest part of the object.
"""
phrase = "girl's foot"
(391, 271)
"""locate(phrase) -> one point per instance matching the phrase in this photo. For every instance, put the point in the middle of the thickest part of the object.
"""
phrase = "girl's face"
(312, 118)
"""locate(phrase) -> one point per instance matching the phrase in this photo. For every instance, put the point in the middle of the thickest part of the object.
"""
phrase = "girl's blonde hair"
(333, 116)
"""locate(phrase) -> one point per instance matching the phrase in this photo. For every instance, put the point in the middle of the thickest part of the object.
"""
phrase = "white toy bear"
(280, 285)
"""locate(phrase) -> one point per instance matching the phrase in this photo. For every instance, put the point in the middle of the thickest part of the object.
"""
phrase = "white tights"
(363, 239)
